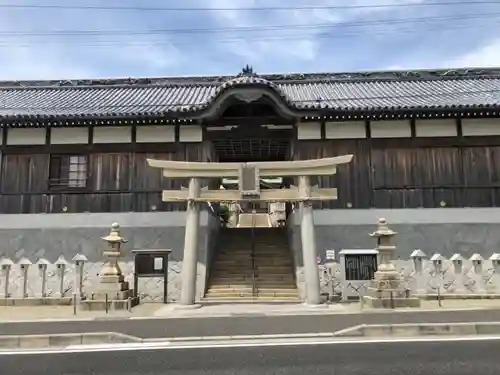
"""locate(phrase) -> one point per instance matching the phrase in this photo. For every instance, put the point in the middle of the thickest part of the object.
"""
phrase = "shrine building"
(425, 145)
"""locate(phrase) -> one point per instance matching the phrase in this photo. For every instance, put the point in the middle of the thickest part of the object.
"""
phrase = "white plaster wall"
(480, 127)
(112, 134)
(28, 136)
(190, 133)
(155, 134)
(345, 130)
(309, 130)
(390, 129)
(436, 128)
(59, 136)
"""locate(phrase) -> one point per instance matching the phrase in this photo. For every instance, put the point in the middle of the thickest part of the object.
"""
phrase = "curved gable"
(248, 88)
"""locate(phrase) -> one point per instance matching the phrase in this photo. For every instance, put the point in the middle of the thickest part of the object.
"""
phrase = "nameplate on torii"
(269, 195)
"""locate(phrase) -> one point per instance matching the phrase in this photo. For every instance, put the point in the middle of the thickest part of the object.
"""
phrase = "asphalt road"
(246, 325)
(424, 358)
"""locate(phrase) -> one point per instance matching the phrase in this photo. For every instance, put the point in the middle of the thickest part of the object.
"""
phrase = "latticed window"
(68, 171)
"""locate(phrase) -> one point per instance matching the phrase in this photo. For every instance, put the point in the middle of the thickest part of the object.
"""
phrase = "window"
(68, 171)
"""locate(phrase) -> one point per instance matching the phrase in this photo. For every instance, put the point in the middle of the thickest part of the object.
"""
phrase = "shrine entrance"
(249, 176)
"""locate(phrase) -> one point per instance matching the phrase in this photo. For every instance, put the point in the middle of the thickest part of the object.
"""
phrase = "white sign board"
(158, 264)
(330, 254)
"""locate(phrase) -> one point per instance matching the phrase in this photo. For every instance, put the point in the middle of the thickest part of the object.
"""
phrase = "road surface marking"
(169, 345)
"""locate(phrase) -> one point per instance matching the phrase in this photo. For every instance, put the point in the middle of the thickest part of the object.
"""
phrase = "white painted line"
(245, 337)
(170, 346)
(117, 346)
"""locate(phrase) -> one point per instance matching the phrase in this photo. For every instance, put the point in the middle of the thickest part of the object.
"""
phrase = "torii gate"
(249, 175)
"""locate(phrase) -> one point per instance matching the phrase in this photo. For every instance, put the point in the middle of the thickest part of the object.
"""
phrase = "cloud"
(487, 55)
(314, 40)
(26, 64)
(300, 43)
(77, 56)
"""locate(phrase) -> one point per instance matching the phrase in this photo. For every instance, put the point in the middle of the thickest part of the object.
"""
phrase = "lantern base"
(384, 296)
(113, 293)
(101, 304)
(388, 303)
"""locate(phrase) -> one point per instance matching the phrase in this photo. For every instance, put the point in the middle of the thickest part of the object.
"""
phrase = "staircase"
(270, 275)
(257, 220)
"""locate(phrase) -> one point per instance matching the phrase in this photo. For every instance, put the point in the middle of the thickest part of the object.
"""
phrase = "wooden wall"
(384, 173)
(117, 182)
(411, 173)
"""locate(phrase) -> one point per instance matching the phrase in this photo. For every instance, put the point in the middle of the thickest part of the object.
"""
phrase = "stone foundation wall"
(442, 230)
(150, 289)
(47, 237)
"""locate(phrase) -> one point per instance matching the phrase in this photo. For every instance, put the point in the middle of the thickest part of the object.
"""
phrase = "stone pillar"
(309, 253)
(190, 257)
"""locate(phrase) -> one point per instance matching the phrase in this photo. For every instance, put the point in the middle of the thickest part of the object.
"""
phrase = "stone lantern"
(111, 268)
(113, 289)
(387, 290)
(386, 250)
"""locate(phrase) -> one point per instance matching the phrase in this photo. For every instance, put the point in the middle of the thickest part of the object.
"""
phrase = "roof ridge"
(375, 75)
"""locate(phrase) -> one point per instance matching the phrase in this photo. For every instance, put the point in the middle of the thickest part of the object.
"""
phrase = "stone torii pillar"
(249, 175)
(309, 248)
(190, 256)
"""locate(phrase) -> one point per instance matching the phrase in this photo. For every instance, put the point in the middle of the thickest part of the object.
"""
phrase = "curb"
(422, 329)
(312, 312)
(62, 340)
(111, 341)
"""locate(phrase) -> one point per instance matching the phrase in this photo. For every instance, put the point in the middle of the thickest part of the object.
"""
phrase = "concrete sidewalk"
(161, 311)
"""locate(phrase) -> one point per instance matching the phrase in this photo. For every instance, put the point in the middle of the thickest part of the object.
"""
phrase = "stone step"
(250, 299)
(225, 279)
(235, 285)
(274, 279)
(274, 262)
(270, 268)
(237, 289)
(275, 296)
(248, 256)
(279, 284)
(233, 260)
(259, 266)
(229, 292)
(262, 287)
(278, 294)
(244, 249)
(292, 291)
(229, 273)
(247, 272)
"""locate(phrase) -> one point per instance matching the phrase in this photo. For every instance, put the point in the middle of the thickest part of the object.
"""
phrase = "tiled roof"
(186, 96)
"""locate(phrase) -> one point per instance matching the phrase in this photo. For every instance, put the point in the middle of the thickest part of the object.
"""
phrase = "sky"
(61, 43)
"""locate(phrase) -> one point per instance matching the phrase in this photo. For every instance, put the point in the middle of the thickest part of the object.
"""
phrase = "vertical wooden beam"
(91, 134)
(460, 132)
(368, 129)
(413, 128)
(133, 134)
(323, 130)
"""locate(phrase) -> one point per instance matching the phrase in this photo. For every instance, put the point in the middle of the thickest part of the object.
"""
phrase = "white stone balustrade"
(40, 278)
(434, 275)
